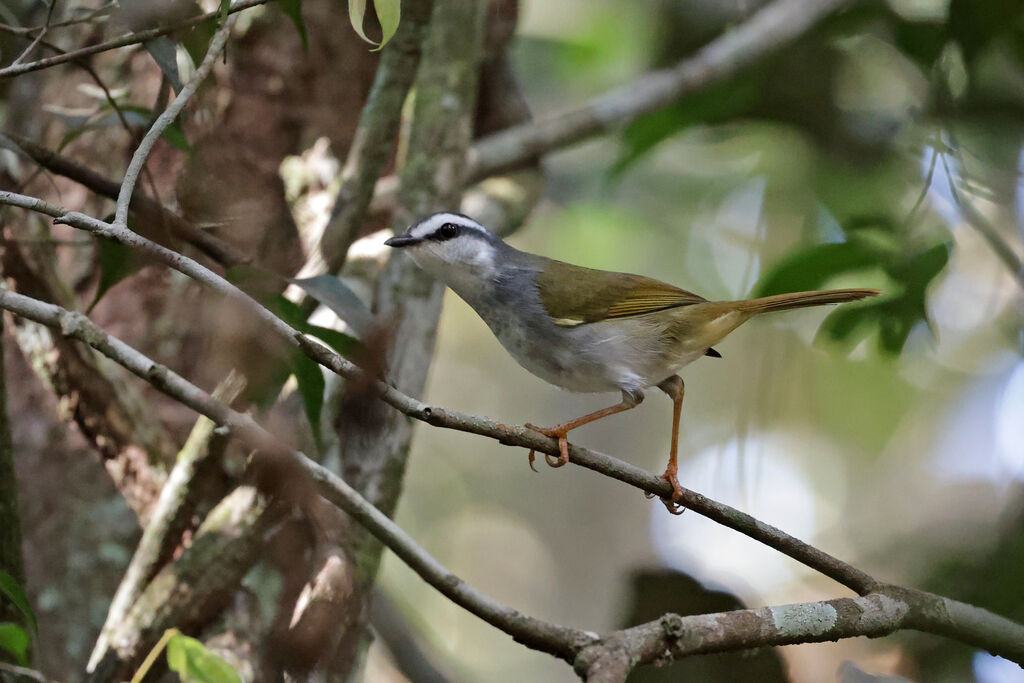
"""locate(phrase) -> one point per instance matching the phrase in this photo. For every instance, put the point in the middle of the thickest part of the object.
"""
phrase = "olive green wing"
(574, 295)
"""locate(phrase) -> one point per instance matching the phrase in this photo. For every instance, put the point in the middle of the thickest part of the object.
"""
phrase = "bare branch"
(514, 435)
(766, 31)
(373, 141)
(883, 611)
(165, 119)
(539, 635)
(880, 613)
(132, 38)
(147, 208)
(164, 524)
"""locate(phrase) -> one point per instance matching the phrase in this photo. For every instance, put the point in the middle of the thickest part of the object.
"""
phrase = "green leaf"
(134, 115)
(195, 664)
(311, 385)
(389, 13)
(10, 588)
(225, 5)
(716, 104)
(175, 137)
(810, 268)
(293, 10)
(342, 343)
(116, 262)
(849, 324)
(356, 12)
(165, 53)
(197, 39)
(14, 639)
(307, 372)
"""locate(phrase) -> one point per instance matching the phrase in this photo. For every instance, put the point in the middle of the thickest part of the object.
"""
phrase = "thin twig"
(532, 632)
(148, 209)
(165, 119)
(883, 611)
(28, 30)
(132, 38)
(764, 32)
(516, 435)
(984, 227)
(42, 32)
(373, 141)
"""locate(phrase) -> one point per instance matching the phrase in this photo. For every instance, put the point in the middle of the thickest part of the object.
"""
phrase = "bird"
(587, 330)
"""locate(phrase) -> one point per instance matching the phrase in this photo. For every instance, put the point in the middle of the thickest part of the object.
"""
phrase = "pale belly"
(624, 355)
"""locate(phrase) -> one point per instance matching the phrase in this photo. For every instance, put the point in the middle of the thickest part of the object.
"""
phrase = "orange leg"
(673, 386)
(561, 431)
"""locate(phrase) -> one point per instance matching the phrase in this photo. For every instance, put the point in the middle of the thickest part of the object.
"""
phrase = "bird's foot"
(563, 445)
(671, 504)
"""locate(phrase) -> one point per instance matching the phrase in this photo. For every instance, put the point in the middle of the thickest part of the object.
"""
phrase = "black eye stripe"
(445, 232)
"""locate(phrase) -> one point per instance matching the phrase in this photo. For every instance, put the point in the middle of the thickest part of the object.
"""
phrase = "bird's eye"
(448, 231)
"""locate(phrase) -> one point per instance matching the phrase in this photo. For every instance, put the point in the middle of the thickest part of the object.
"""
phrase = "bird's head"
(452, 247)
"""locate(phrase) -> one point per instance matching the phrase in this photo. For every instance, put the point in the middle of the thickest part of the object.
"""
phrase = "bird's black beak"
(403, 241)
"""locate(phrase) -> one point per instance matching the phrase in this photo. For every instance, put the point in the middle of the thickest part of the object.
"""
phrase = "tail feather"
(784, 302)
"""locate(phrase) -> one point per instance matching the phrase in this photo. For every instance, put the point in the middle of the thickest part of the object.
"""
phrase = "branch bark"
(148, 209)
(166, 524)
(885, 609)
(766, 31)
(374, 452)
(138, 162)
(374, 139)
(133, 38)
(514, 435)
(10, 521)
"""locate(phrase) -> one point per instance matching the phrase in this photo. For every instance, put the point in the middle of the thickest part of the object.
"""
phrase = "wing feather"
(574, 295)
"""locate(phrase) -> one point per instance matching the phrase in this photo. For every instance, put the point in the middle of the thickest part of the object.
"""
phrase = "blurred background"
(883, 149)
(895, 443)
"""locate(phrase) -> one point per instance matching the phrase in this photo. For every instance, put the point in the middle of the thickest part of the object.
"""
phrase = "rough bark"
(10, 521)
(374, 451)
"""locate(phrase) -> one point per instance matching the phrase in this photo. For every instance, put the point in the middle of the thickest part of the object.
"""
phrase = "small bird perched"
(587, 330)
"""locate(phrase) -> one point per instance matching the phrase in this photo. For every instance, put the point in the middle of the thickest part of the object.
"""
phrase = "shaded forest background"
(884, 148)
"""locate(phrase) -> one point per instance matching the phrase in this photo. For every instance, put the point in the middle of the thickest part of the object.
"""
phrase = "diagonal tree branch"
(131, 176)
(133, 38)
(374, 138)
(763, 33)
(880, 613)
(147, 208)
(514, 435)
(165, 526)
(536, 634)
(883, 611)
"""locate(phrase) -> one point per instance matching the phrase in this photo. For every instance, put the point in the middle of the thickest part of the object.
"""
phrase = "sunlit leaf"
(116, 262)
(388, 14)
(13, 592)
(190, 659)
(356, 12)
(14, 639)
(165, 53)
(293, 10)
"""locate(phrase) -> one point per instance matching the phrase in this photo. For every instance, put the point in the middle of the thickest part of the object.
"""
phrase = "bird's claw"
(677, 492)
(563, 447)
